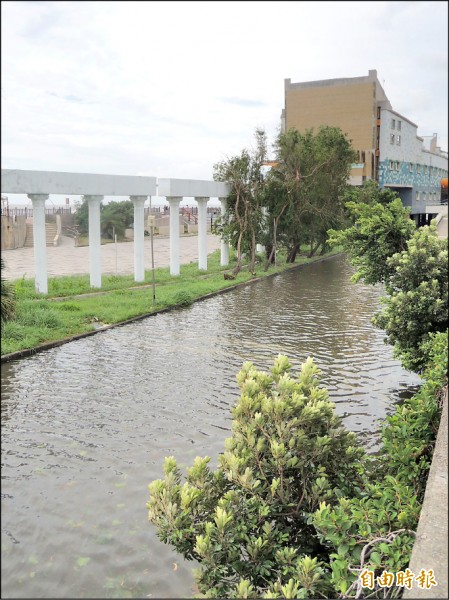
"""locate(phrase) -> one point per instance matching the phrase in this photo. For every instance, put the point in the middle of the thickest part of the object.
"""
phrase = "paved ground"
(67, 259)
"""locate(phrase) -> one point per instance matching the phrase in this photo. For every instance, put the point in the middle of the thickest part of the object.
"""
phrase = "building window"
(398, 140)
(391, 138)
(393, 123)
(363, 156)
(410, 167)
(417, 196)
(399, 125)
(398, 166)
(391, 165)
(418, 169)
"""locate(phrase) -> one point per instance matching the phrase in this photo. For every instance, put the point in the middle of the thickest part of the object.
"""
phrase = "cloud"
(171, 88)
(244, 103)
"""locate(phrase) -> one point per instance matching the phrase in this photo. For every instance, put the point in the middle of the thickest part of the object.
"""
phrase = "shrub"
(375, 531)
(296, 509)
(379, 230)
(247, 523)
(417, 301)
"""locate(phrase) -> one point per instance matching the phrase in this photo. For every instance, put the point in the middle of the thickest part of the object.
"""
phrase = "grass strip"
(72, 307)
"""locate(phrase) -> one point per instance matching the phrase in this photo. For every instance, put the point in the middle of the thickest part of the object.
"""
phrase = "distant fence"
(28, 212)
(186, 211)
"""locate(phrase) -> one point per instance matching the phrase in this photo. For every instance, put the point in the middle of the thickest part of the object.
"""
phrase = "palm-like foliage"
(8, 300)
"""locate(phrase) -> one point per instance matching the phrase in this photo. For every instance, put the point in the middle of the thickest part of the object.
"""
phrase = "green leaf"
(82, 561)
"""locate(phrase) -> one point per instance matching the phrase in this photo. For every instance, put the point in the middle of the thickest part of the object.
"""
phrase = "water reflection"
(87, 425)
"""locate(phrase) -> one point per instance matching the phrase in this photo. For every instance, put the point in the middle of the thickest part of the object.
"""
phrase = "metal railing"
(28, 212)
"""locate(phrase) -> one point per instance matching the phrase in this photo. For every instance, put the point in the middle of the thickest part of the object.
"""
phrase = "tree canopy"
(304, 188)
(379, 229)
(115, 217)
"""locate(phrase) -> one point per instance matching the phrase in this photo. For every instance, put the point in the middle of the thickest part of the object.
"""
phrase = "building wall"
(412, 166)
(406, 166)
(13, 232)
(350, 104)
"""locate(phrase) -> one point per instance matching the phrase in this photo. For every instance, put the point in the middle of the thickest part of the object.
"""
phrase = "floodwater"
(86, 426)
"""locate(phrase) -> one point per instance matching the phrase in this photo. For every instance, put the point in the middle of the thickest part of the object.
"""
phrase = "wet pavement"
(66, 259)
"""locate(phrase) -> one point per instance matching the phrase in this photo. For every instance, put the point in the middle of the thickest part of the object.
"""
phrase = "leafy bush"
(296, 509)
(375, 531)
(247, 523)
(417, 301)
(378, 231)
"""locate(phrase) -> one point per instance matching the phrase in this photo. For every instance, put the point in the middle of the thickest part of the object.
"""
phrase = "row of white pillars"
(40, 249)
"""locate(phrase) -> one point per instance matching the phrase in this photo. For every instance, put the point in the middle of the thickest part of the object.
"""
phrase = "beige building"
(352, 104)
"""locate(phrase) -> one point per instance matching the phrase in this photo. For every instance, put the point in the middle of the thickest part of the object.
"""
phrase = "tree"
(305, 186)
(385, 247)
(369, 193)
(417, 301)
(247, 523)
(378, 231)
(243, 173)
(116, 217)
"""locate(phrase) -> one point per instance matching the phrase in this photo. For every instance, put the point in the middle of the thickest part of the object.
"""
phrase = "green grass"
(83, 240)
(71, 306)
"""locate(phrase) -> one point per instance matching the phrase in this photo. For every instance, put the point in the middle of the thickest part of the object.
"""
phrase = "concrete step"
(50, 234)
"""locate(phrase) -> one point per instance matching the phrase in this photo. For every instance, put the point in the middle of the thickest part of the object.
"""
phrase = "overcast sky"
(168, 89)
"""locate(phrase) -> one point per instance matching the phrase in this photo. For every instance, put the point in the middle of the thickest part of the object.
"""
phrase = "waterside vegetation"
(296, 508)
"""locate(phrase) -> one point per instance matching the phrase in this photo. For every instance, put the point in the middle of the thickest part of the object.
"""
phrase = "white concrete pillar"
(202, 233)
(94, 240)
(224, 257)
(174, 234)
(139, 225)
(260, 247)
(39, 242)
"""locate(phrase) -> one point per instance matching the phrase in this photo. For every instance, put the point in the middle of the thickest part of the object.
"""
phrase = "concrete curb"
(430, 550)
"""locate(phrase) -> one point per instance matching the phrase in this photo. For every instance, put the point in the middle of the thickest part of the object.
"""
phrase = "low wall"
(430, 551)
(57, 239)
(13, 232)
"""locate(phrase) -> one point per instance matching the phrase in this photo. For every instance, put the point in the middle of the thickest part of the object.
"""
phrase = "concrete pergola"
(38, 185)
(177, 189)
